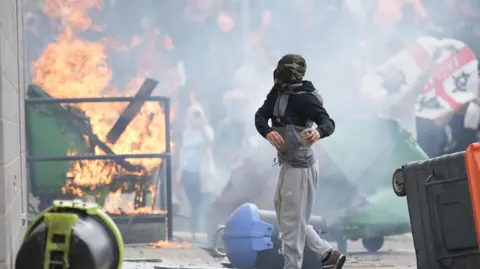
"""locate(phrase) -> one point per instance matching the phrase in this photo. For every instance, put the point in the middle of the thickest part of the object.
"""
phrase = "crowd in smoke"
(223, 53)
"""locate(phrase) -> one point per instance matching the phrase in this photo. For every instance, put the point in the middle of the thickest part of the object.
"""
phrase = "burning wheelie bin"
(129, 192)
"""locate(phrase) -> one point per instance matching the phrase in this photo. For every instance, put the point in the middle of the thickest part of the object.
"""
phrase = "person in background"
(254, 73)
(207, 33)
(294, 105)
(230, 133)
(462, 129)
(191, 36)
(197, 168)
(255, 67)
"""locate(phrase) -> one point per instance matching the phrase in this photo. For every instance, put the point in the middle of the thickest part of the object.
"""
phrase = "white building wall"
(13, 204)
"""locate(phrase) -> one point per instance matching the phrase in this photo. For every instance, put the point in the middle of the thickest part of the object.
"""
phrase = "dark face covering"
(290, 70)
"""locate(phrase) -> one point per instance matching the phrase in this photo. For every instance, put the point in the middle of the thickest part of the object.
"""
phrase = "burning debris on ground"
(171, 244)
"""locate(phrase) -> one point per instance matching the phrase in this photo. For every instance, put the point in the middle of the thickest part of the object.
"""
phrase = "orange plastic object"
(472, 161)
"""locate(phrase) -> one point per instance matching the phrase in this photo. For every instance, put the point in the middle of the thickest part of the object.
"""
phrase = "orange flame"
(72, 13)
(168, 244)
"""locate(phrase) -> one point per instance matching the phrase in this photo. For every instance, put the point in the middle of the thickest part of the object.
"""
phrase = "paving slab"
(398, 252)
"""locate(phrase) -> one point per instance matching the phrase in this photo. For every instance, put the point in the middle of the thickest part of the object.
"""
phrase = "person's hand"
(275, 139)
(310, 136)
(476, 100)
(444, 119)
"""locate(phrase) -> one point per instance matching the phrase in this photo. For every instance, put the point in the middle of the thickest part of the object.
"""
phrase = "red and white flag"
(454, 81)
(394, 90)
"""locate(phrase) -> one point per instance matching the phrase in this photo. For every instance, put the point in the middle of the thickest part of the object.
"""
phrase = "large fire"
(73, 67)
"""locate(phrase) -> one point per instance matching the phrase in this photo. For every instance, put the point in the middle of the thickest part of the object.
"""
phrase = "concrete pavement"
(398, 252)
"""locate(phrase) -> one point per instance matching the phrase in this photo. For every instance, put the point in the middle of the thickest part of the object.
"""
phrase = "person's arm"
(313, 107)
(208, 134)
(264, 113)
(219, 132)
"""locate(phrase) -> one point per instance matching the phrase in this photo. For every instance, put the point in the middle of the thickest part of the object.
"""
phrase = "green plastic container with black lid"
(73, 235)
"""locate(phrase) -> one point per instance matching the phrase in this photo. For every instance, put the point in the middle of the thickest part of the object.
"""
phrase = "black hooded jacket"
(300, 109)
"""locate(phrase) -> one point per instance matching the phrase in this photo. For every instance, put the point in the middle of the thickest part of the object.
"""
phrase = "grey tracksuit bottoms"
(294, 200)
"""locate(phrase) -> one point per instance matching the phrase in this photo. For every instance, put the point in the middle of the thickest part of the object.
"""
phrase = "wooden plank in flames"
(131, 110)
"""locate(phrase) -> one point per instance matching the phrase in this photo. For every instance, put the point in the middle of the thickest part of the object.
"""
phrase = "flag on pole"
(429, 78)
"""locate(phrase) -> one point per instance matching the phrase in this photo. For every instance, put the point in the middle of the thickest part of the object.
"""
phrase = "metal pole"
(96, 157)
(168, 171)
(92, 100)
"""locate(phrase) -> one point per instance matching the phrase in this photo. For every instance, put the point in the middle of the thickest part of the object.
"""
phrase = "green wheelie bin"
(52, 130)
(364, 152)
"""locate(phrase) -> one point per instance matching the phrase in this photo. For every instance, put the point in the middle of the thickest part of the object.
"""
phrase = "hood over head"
(290, 70)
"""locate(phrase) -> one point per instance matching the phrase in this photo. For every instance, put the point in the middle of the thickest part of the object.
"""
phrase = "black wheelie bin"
(441, 214)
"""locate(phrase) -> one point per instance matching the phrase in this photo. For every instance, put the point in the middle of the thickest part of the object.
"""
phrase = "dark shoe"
(335, 261)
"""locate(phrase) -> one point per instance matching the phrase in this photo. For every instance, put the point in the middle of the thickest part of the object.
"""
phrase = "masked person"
(197, 167)
(294, 105)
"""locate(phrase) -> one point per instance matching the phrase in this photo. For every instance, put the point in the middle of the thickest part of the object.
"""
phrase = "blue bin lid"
(245, 235)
